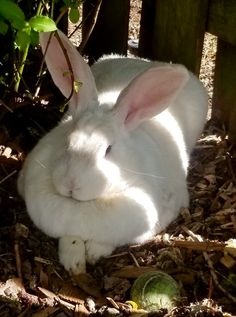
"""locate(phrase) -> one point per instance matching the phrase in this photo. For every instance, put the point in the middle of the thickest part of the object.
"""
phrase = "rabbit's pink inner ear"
(56, 63)
(59, 69)
(150, 93)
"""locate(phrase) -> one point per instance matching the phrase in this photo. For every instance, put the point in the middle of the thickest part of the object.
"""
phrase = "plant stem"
(21, 68)
(24, 56)
(63, 12)
(39, 9)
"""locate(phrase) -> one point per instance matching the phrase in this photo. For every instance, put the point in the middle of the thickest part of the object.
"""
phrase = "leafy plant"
(25, 31)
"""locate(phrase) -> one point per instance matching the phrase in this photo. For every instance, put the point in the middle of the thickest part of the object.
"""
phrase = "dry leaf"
(47, 293)
(88, 284)
(132, 271)
(231, 247)
(187, 278)
(43, 277)
(21, 230)
(48, 311)
(211, 179)
(116, 287)
(81, 310)
(227, 261)
(72, 294)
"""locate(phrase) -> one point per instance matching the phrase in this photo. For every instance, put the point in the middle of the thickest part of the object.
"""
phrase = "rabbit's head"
(84, 170)
(88, 167)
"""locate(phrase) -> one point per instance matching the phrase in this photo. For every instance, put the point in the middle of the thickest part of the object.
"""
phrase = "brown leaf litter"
(198, 249)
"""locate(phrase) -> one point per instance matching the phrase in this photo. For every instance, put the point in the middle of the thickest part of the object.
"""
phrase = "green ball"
(155, 290)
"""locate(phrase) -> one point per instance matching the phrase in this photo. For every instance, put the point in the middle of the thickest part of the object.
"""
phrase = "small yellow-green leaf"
(77, 85)
(42, 23)
(66, 73)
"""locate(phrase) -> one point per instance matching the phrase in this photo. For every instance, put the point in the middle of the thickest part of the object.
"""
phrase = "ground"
(197, 249)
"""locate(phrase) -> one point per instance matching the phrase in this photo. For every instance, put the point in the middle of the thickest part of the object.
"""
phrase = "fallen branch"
(196, 245)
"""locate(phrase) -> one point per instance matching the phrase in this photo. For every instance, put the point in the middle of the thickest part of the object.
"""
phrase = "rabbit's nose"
(73, 190)
(70, 188)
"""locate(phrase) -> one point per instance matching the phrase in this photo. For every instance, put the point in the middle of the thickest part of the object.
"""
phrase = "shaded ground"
(197, 249)
(192, 250)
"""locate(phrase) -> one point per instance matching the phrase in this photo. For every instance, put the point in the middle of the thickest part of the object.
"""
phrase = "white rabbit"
(114, 170)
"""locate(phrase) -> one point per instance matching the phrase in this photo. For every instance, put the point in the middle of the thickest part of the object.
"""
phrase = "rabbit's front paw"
(72, 254)
(96, 250)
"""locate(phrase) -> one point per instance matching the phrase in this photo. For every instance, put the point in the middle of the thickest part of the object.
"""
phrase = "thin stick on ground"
(165, 240)
(18, 260)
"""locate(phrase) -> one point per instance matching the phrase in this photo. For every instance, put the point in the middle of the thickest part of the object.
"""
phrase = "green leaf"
(11, 12)
(23, 39)
(34, 37)
(74, 15)
(42, 23)
(67, 3)
(3, 27)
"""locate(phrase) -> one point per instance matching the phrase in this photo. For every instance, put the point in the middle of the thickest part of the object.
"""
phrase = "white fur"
(95, 202)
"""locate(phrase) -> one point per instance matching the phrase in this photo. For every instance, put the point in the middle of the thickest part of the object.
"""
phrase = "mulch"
(198, 249)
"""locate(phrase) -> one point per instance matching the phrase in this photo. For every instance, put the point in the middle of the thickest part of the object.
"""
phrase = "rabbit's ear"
(59, 69)
(150, 93)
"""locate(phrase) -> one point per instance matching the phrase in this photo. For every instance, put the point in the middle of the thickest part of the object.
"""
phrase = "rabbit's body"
(103, 178)
(189, 108)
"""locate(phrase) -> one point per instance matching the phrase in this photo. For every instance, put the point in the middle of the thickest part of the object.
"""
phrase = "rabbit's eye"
(108, 150)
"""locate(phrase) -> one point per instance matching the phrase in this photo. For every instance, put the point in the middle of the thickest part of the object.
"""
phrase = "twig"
(63, 12)
(71, 74)
(134, 259)
(18, 260)
(42, 63)
(113, 303)
(69, 66)
(166, 240)
(90, 26)
(199, 245)
(8, 176)
(43, 261)
(117, 255)
(2, 103)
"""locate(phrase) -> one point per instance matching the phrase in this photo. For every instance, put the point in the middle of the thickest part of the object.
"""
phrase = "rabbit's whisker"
(142, 173)
(41, 164)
